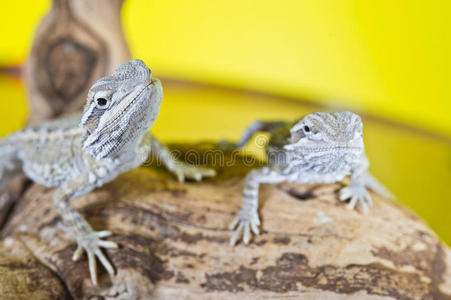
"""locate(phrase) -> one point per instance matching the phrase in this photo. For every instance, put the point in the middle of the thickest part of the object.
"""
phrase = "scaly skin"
(76, 156)
(321, 148)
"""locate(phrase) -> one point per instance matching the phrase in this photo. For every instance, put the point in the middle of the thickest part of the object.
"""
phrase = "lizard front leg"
(180, 169)
(87, 239)
(247, 219)
(357, 192)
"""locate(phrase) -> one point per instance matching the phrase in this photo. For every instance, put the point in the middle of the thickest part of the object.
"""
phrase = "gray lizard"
(320, 148)
(77, 155)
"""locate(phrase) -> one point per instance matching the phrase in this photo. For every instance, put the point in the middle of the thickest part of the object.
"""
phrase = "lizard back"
(50, 152)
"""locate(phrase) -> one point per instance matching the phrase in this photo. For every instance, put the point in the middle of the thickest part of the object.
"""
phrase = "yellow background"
(390, 59)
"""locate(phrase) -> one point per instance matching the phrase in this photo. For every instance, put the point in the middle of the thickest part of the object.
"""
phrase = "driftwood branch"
(174, 244)
(76, 43)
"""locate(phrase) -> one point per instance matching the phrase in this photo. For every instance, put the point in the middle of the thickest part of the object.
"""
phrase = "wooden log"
(173, 241)
(78, 42)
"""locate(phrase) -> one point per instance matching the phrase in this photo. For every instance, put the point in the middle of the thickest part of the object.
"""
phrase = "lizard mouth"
(353, 145)
(322, 148)
(331, 148)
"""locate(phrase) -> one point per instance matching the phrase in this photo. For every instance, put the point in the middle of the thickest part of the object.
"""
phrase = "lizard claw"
(186, 171)
(244, 226)
(356, 193)
(91, 243)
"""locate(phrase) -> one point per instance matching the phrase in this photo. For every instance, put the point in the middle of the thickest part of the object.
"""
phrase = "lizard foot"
(357, 193)
(186, 171)
(244, 225)
(91, 242)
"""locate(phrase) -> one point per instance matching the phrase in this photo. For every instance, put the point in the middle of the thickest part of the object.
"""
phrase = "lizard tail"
(257, 126)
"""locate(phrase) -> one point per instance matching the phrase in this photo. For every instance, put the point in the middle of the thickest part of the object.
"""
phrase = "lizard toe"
(246, 226)
(91, 242)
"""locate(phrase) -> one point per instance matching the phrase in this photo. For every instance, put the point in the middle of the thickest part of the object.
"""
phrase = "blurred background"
(226, 63)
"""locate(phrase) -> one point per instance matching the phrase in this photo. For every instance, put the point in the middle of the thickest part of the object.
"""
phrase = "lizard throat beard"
(322, 160)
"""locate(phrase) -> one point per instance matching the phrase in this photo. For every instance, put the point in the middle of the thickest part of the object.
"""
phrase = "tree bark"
(173, 241)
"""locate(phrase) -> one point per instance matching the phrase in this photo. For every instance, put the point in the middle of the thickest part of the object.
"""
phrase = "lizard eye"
(102, 102)
(306, 128)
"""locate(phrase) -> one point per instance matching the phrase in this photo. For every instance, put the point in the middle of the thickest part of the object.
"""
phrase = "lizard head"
(327, 139)
(120, 109)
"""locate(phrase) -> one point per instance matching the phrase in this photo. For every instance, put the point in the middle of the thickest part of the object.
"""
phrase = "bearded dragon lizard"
(77, 155)
(320, 148)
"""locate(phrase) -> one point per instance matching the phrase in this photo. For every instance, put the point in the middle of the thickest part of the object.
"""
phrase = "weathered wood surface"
(174, 244)
(76, 43)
